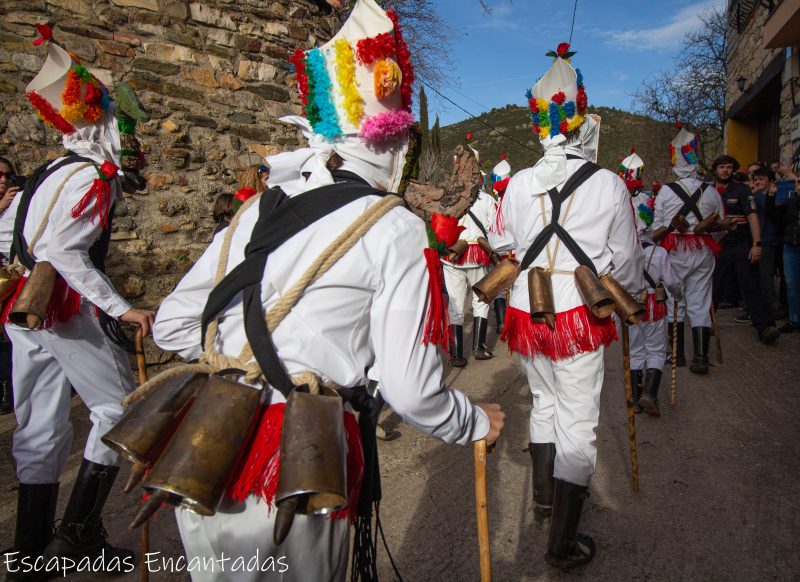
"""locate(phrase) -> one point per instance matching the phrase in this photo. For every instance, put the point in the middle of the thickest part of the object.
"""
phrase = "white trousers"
(694, 269)
(459, 282)
(45, 364)
(648, 344)
(315, 549)
(566, 408)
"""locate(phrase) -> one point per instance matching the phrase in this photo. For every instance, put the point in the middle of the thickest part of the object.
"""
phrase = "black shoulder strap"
(478, 223)
(649, 279)
(19, 246)
(280, 218)
(583, 173)
(689, 202)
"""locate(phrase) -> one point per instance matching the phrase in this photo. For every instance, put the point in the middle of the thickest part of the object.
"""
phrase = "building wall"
(748, 58)
(214, 76)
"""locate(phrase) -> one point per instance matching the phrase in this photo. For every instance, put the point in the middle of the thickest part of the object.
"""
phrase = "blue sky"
(500, 55)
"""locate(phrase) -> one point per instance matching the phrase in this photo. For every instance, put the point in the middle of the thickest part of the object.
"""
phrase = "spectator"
(263, 175)
(790, 227)
(251, 183)
(763, 184)
(222, 211)
(8, 190)
(724, 170)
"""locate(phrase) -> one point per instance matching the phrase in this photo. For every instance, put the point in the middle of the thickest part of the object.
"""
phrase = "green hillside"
(619, 131)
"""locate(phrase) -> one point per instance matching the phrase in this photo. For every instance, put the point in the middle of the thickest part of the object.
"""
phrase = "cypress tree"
(424, 131)
(436, 138)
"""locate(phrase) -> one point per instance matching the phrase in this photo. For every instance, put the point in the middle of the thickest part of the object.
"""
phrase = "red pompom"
(679, 124)
(46, 33)
(581, 101)
(469, 136)
(562, 49)
(563, 128)
(633, 150)
(559, 98)
(503, 156)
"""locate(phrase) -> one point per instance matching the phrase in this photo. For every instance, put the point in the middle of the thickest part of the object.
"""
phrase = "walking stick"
(673, 399)
(626, 366)
(479, 450)
(141, 363)
(716, 333)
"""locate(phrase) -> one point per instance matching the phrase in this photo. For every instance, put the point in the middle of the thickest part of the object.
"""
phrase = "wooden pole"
(673, 399)
(626, 366)
(716, 333)
(141, 364)
(481, 505)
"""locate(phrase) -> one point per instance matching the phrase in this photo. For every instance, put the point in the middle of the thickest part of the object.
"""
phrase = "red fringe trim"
(374, 48)
(499, 226)
(48, 114)
(654, 311)
(100, 192)
(403, 60)
(64, 303)
(692, 242)
(437, 321)
(474, 255)
(298, 59)
(577, 331)
(258, 472)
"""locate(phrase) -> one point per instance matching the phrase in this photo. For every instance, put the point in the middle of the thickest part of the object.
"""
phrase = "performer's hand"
(754, 255)
(144, 319)
(497, 419)
(8, 198)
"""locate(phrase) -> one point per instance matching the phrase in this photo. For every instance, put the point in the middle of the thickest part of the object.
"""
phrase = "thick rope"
(17, 266)
(159, 379)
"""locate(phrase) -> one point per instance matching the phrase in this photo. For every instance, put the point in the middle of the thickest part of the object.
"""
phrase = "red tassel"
(577, 331)
(258, 471)
(654, 311)
(474, 255)
(437, 321)
(691, 242)
(499, 226)
(100, 193)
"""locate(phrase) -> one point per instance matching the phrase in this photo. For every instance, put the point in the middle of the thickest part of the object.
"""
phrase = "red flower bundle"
(404, 60)
(298, 59)
(375, 48)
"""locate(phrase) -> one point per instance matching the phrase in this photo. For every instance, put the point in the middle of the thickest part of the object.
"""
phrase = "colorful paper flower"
(387, 78)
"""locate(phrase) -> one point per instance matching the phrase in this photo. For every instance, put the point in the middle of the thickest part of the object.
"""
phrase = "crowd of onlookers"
(773, 269)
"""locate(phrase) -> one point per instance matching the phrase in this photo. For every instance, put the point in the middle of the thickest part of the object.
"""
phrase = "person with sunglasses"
(9, 184)
(9, 188)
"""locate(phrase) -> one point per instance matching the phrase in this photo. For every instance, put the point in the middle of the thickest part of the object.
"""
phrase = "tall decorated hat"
(358, 83)
(501, 174)
(558, 100)
(64, 93)
(684, 149)
(630, 170)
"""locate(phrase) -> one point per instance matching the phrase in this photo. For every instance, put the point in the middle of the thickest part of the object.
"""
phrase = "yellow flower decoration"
(575, 122)
(387, 78)
(352, 102)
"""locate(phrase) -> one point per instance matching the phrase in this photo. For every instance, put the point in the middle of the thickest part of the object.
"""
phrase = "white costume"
(461, 274)
(366, 311)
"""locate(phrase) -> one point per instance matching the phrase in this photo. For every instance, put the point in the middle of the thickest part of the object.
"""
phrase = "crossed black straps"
(557, 198)
(689, 202)
(280, 218)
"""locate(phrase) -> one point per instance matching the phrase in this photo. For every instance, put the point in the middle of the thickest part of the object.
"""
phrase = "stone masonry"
(215, 77)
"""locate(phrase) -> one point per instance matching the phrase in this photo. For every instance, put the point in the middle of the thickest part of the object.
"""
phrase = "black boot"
(36, 512)
(700, 338)
(681, 363)
(457, 347)
(543, 456)
(81, 534)
(649, 400)
(566, 548)
(500, 313)
(6, 398)
(636, 382)
(480, 326)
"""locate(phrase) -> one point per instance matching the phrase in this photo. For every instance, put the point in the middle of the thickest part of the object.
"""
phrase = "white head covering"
(684, 152)
(631, 167)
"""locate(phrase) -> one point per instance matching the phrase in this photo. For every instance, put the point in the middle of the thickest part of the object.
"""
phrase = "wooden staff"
(716, 333)
(141, 363)
(626, 366)
(481, 505)
(673, 399)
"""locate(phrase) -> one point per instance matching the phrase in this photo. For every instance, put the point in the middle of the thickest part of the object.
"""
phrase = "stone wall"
(214, 76)
(748, 58)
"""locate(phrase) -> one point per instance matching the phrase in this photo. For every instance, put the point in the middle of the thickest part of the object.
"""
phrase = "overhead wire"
(572, 28)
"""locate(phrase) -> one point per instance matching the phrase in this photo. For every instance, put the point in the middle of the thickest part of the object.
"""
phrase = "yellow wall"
(741, 140)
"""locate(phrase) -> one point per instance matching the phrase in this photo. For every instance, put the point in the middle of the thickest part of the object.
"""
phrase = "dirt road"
(718, 471)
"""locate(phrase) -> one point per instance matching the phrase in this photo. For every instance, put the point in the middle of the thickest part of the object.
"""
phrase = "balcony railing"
(739, 12)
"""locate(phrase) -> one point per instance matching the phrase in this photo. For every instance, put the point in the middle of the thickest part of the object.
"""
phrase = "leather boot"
(567, 549)
(36, 512)
(649, 398)
(480, 326)
(700, 338)
(81, 534)
(457, 347)
(636, 382)
(681, 355)
(500, 314)
(6, 398)
(543, 456)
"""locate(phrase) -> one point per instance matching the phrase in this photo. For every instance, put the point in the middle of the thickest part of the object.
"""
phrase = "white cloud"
(665, 37)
